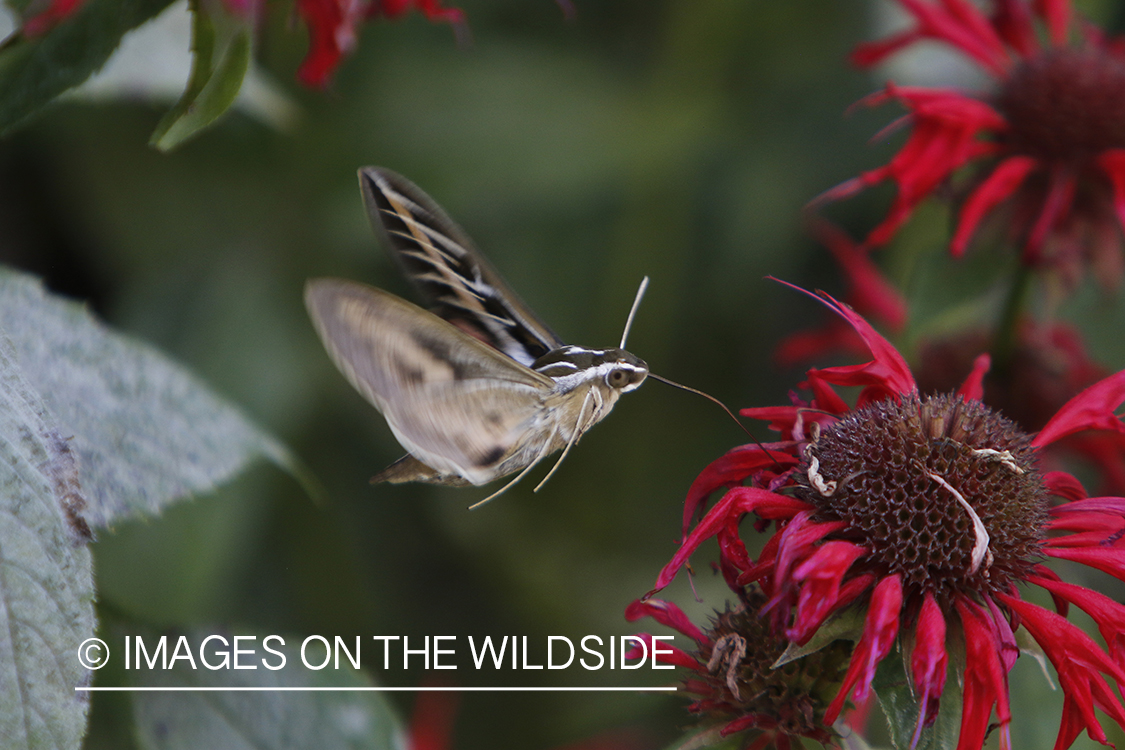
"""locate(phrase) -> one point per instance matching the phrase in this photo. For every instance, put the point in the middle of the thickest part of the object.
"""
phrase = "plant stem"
(1005, 341)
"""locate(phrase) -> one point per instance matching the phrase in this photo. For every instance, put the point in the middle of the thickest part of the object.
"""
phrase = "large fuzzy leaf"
(46, 577)
(144, 431)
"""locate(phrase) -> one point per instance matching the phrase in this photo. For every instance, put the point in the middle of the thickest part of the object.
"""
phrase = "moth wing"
(442, 261)
(454, 403)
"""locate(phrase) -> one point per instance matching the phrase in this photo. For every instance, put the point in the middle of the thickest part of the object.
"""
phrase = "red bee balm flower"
(733, 672)
(333, 23)
(1048, 141)
(929, 513)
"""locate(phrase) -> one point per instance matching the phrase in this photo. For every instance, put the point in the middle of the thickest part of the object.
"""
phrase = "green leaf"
(901, 707)
(261, 720)
(211, 89)
(46, 577)
(33, 72)
(145, 431)
(847, 626)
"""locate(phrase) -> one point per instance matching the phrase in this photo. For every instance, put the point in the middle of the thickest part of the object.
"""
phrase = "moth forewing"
(454, 403)
(442, 261)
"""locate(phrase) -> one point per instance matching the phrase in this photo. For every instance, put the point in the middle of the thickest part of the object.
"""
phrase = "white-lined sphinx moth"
(477, 389)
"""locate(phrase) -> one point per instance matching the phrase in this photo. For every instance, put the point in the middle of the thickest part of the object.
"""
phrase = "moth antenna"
(529, 467)
(573, 439)
(722, 406)
(632, 312)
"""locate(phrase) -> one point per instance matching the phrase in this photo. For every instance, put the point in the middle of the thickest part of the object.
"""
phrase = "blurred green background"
(675, 139)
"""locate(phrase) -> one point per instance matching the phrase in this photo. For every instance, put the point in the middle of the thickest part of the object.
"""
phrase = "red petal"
(928, 662)
(1013, 23)
(973, 387)
(677, 656)
(667, 614)
(733, 467)
(1106, 559)
(887, 371)
(1078, 662)
(1108, 614)
(431, 9)
(1057, 15)
(803, 346)
(797, 542)
(735, 503)
(1064, 485)
(1112, 163)
(332, 25)
(956, 23)
(1003, 181)
(1060, 198)
(1092, 409)
(879, 632)
(48, 18)
(870, 292)
(986, 682)
(820, 576)
(869, 54)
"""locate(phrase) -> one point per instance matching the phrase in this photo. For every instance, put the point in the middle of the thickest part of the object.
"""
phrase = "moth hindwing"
(477, 389)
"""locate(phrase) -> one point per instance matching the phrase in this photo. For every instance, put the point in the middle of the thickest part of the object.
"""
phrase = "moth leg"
(569, 443)
(542, 454)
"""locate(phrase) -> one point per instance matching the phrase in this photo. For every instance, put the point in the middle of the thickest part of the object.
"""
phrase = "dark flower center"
(1066, 105)
(942, 491)
(741, 679)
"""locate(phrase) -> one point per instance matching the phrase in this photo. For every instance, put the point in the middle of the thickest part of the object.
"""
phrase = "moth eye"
(617, 378)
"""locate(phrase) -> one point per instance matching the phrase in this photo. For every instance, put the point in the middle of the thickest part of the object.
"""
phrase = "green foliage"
(94, 427)
(34, 72)
(219, 64)
(145, 432)
(46, 579)
(901, 708)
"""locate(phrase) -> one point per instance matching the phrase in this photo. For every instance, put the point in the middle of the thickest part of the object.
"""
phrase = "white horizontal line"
(431, 688)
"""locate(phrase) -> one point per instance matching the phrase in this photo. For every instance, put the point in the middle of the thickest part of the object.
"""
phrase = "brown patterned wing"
(456, 404)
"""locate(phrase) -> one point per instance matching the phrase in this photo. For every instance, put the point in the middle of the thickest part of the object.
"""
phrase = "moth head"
(626, 372)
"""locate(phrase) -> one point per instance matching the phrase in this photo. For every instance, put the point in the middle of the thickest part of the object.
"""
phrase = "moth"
(477, 387)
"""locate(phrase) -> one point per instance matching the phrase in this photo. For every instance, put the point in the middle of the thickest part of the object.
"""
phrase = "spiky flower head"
(922, 517)
(1042, 149)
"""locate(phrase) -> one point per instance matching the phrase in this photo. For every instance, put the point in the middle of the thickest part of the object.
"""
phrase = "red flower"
(332, 29)
(47, 18)
(732, 671)
(1048, 144)
(929, 512)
